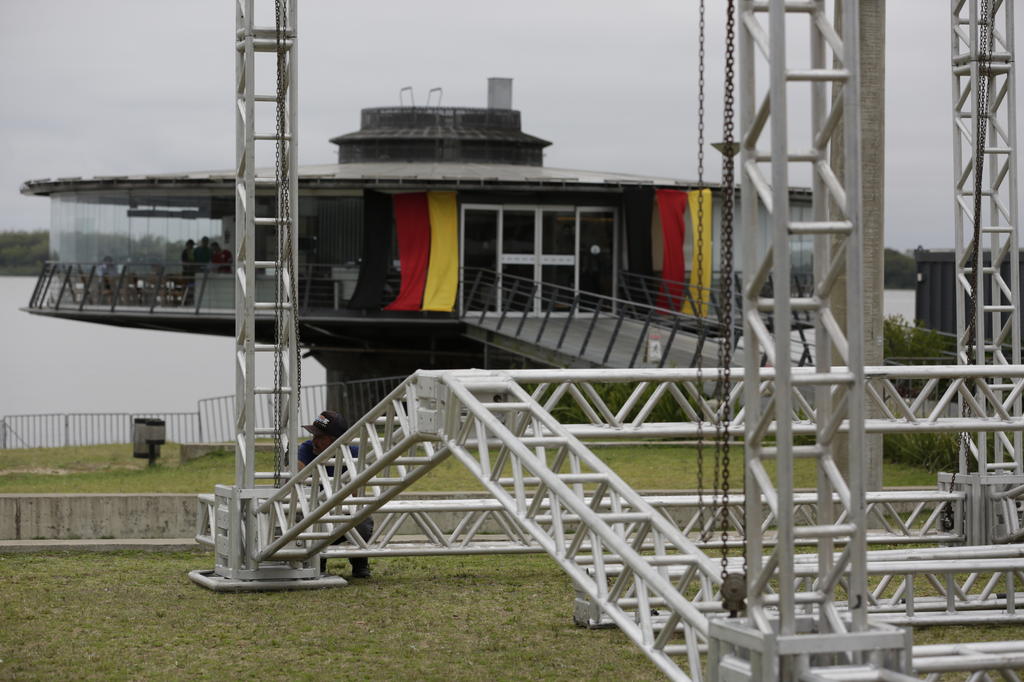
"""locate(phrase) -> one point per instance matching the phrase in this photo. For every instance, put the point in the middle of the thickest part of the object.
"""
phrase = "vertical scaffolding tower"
(985, 130)
(797, 627)
(265, 128)
(987, 256)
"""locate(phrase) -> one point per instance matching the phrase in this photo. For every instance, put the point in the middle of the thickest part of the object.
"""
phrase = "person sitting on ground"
(222, 257)
(327, 428)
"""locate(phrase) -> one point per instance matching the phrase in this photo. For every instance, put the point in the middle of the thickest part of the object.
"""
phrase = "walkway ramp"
(594, 340)
(563, 327)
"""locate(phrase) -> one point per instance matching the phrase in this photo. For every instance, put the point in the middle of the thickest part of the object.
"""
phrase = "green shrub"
(668, 409)
(931, 451)
(907, 341)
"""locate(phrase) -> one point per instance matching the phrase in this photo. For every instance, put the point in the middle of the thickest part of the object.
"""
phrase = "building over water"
(430, 214)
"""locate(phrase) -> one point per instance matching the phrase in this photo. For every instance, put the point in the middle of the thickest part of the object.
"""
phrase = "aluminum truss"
(991, 471)
(790, 632)
(633, 557)
(544, 491)
(265, 123)
(996, 279)
(553, 489)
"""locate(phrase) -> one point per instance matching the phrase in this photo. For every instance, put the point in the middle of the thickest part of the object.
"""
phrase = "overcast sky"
(110, 87)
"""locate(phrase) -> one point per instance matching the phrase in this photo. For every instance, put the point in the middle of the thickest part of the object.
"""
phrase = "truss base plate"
(212, 581)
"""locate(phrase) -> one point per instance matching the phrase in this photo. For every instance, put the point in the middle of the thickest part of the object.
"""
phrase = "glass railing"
(184, 288)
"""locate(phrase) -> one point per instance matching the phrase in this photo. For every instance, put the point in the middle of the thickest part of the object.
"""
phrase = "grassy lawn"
(111, 468)
(133, 615)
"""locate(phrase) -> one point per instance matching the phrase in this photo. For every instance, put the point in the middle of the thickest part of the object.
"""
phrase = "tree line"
(900, 270)
(23, 253)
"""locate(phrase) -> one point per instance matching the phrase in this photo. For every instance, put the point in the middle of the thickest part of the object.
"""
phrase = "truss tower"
(787, 633)
(986, 217)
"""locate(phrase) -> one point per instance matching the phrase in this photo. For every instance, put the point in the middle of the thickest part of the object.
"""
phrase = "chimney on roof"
(499, 93)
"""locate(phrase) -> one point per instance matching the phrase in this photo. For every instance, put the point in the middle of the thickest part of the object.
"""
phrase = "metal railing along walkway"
(557, 325)
(649, 323)
(197, 289)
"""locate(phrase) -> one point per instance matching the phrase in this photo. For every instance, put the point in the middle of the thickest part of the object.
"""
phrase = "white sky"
(110, 87)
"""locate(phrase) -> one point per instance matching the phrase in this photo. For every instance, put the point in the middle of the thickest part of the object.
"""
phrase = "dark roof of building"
(438, 132)
(441, 123)
(441, 135)
(381, 175)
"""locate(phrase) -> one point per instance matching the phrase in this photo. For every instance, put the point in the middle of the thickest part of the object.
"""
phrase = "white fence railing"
(212, 422)
(90, 428)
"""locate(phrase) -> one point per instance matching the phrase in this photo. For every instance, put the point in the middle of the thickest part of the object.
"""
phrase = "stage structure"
(646, 564)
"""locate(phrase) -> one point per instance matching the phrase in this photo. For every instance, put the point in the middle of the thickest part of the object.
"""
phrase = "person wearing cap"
(327, 428)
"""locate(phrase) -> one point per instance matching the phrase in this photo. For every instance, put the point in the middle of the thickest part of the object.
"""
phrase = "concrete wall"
(67, 517)
(170, 515)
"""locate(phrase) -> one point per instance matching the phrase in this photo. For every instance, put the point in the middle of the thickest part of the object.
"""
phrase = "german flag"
(427, 227)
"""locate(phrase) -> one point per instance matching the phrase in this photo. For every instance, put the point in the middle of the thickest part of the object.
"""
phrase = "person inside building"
(221, 258)
(106, 272)
(188, 258)
(327, 428)
(203, 253)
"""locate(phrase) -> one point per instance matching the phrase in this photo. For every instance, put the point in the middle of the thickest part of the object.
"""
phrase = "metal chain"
(980, 140)
(290, 229)
(734, 585)
(280, 172)
(705, 529)
(970, 341)
(726, 277)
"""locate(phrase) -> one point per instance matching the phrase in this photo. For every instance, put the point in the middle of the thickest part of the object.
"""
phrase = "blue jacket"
(306, 455)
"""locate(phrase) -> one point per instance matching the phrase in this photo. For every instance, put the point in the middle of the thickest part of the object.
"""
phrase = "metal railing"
(356, 398)
(182, 288)
(90, 428)
(504, 304)
(654, 291)
(212, 422)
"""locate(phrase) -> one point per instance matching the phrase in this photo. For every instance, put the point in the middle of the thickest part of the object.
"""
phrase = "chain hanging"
(283, 221)
(706, 528)
(733, 585)
(973, 255)
(290, 236)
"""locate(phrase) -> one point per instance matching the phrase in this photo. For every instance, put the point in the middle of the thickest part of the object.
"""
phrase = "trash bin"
(147, 437)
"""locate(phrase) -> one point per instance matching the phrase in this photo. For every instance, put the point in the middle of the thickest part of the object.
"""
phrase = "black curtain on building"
(378, 226)
(638, 203)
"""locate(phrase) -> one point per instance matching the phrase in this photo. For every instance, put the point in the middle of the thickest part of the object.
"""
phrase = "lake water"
(899, 302)
(54, 365)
